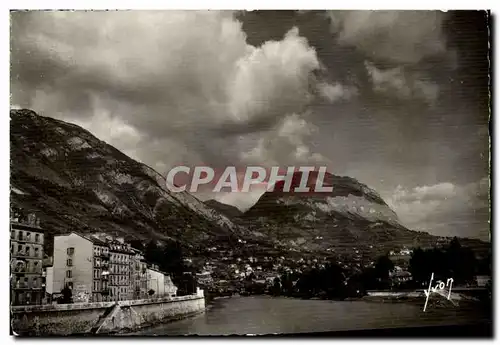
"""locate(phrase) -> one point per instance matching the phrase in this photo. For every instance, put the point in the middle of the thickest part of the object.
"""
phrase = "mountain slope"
(75, 181)
(225, 209)
(351, 216)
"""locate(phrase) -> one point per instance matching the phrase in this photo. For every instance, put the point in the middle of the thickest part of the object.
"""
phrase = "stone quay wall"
(103, 317)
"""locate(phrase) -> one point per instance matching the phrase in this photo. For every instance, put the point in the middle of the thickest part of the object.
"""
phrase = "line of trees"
(453, 261)
(332, 282)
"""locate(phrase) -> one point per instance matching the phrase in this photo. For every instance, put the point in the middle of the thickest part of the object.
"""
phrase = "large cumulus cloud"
(178, 79)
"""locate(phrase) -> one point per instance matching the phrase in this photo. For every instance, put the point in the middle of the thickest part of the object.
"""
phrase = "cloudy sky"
(398, 100)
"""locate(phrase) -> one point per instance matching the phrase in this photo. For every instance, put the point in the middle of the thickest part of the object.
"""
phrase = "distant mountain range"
(74, 181)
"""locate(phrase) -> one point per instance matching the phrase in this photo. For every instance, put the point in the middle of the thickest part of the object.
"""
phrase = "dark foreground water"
(267, 315)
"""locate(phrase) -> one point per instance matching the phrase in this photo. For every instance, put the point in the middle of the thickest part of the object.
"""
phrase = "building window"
(19, 266)
(37, 238)
(71, 251)
(35, 265)
(13, 234)
(69, 274)
(19, 248)
(36, 252)
(27, 250)
(69, 262)
(70, 284)
(35, 282)
(20, 235)
(28, 236)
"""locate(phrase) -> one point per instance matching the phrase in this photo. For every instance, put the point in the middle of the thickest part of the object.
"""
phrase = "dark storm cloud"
(391, 98)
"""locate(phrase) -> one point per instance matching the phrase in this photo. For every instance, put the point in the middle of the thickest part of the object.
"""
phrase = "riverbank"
(102, 318)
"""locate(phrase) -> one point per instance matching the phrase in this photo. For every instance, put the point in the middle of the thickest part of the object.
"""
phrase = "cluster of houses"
(100, 267)
(95, 267)
(402, 252)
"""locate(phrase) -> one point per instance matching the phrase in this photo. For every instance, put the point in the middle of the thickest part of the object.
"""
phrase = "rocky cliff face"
(75, 181)
(351, 216)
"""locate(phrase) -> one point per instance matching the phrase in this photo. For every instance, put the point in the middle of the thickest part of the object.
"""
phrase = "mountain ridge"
(229, 211)
(74, 180)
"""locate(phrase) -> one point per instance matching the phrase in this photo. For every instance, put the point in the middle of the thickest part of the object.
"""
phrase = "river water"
(268, 315)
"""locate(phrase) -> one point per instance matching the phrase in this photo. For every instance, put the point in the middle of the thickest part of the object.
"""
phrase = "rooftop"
(87, 237)
(26, 226)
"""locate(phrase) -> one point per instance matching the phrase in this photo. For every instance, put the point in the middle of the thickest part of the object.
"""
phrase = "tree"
(250, 277)
(152, 253)
(356, 286)
(382, 267)
(368, 279)
(332, 281)
(287, 284)
(462, 262)
(186, 284)
(484, 265)
(137, 244)
(276, 286)
(151, 292)
(67, 295)
(420, 266)
(172, 262)
(453, 261)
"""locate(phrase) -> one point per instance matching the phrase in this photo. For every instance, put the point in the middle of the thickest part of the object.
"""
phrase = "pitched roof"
(88, 238)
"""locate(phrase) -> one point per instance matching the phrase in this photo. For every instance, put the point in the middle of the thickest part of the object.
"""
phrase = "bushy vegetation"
(334, 282)
(453, 261)
(170, 259)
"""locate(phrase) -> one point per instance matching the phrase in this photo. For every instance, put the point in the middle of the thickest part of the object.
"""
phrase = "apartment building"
(26, 253)
(121, 260)
(80, 263)
(139, 275)
(100, 287)
(156, 281)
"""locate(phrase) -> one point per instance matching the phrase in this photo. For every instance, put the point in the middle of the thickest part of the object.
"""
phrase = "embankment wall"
(102, 318)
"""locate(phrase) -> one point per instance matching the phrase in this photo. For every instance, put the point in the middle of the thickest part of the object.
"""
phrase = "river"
(268, 315)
